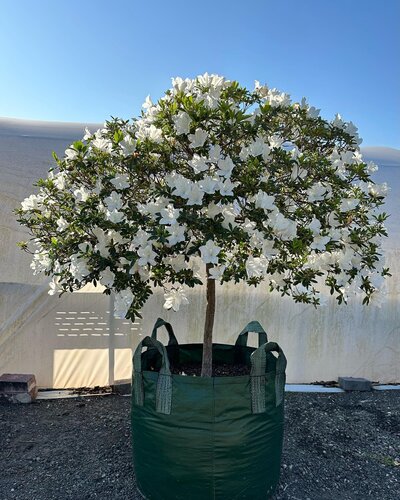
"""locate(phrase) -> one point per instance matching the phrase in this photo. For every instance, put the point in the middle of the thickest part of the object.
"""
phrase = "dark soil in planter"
(337, 447)
(219, 370)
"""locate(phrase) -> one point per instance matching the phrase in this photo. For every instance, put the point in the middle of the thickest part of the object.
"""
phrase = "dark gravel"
(337, 447)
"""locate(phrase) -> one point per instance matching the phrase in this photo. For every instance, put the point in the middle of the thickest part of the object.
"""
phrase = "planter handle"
(164, 383)
(160, 322)
(253, 326)
(258, 376)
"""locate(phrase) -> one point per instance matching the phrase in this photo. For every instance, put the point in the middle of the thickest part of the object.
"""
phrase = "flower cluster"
(246, 181)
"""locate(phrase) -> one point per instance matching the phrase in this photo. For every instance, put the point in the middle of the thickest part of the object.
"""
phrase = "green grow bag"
(217, 438)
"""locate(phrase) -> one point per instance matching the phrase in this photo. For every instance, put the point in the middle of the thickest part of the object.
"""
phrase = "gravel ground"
(337, 447)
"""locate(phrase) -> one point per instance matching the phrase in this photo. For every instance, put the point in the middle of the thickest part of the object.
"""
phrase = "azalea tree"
(251, 186)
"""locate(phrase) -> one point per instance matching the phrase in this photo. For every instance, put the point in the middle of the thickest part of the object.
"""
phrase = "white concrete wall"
(67, 343)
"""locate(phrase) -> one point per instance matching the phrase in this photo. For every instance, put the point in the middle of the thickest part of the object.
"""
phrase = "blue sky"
(71, 60)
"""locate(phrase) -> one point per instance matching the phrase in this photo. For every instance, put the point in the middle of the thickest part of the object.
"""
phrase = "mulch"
(338, 446)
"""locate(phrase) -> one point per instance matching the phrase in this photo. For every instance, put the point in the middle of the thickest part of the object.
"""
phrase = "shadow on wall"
(72, 341)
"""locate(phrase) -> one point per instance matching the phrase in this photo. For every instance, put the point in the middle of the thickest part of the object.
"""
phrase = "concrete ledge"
(355, 384)
(18, 387)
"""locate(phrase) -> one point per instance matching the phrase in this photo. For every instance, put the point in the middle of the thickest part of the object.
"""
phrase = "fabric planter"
(217, 438)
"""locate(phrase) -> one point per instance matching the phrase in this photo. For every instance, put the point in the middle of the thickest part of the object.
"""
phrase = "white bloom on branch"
(198, 163)
(122, 303)
(208, 184)
(318, 192)
(58, 179)
(348, 204)
(256, 267)
(276, 141)
(71, 153)
(114, 201)
(215, 153)
(78, 267)
(147, 255)
(182, 123)
(169, 215)
(107, 277)
(121, 181)
(175, 298)
(149, 132)
(315, 226)
(81, 194)
(148, 103)
(264, 201)
(139, 240)
(176, 234)
(32, 202)
(61, 224)
(55, 286)
(259, 148)
(198, 139)
(216, 272)
(41, 262)
(196, 195)
(177, 262)
(320, 242)
(209, 252)
(128, 145)
(283, 227)
(226, 187)
(225, 167)
(103, 144)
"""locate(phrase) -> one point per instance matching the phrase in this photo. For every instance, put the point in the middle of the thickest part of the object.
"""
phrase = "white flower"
(114, 201)
(103, 241)
(264, 201)
(121, 181)
(176, 234)
(31, 203)
(208, 184)
(169, 215)
(216, 272)
(148, 103)
(41, 262)
(107, 277)
(55, 286)
(319, 242)
(378, 189)
(122, 302)
(256, 267)
(147, 256)
(275, 141)
(229, 213)
(180, 185)
(318, 191)
(182, 123)
(58, 179)
(149, 132)
(283, 227)
(315, 226)
(103, 144)
(174, 298)
(81, 194)
(209, 252)
(348, 204)
(277, 98)
(61, 224)
(198, 138)
(153, 207)
(71, 153)
(259, 148)
(78, 267)
(114, 216)
(198, 163)
(195, 196)
(128, 145)
(140, 239)
(214, 153)
(226, 187)
(225, 167)
(177, 263)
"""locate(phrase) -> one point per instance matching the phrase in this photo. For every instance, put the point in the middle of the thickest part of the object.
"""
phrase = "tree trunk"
(206, 367)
